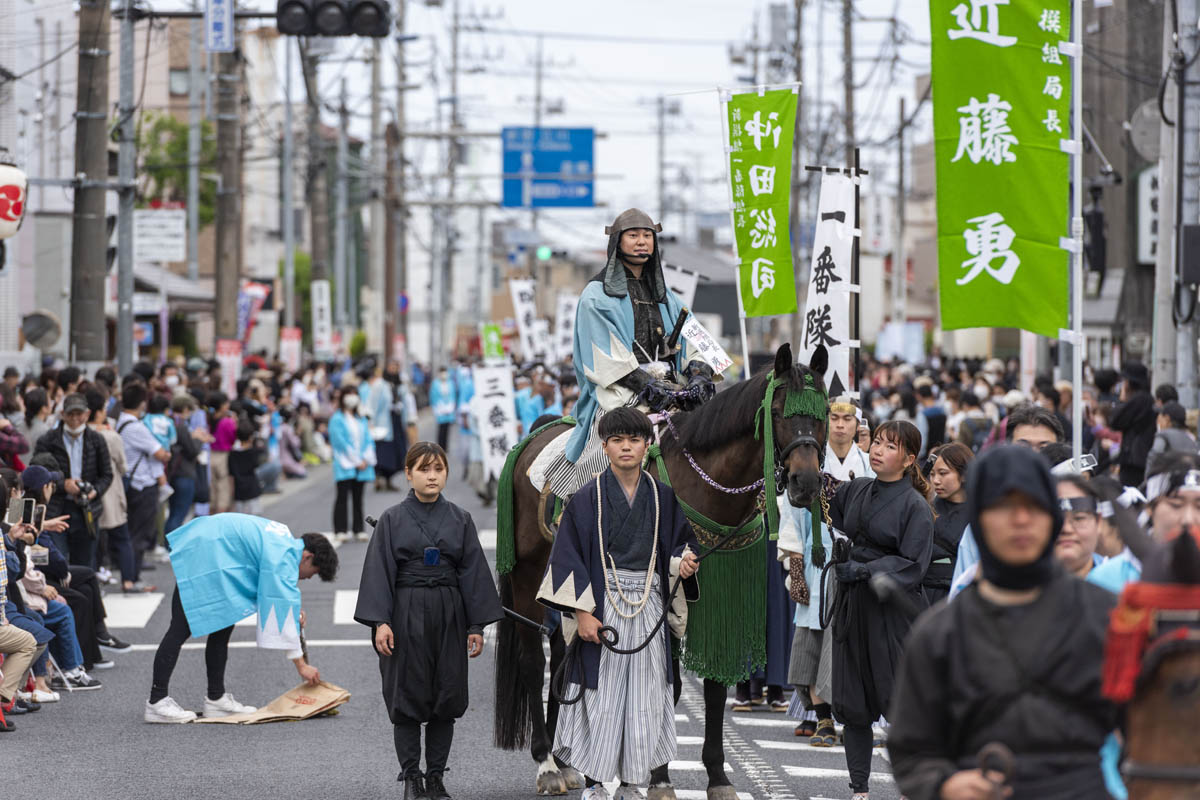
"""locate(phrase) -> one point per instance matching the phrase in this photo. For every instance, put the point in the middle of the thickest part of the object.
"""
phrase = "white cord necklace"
(605, 559)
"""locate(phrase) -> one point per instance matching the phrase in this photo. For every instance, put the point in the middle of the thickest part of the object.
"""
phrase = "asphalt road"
(95, 745)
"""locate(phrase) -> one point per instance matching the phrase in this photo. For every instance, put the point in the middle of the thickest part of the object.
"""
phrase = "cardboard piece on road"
(300, 703)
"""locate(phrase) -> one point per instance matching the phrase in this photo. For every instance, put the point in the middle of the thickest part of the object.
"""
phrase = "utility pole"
(450, 218)
(1187, 168)
(662, 167)
(89, 237)
(317, 186)
(127, 156)
(848, 76)
(900, 260)
(399, 267)
(537, 127)
(797, 220)
(388, 301)
(195, 34)
(289, 214)
(1163, 360)
(229, 192)
(342, 200)
(379, 213)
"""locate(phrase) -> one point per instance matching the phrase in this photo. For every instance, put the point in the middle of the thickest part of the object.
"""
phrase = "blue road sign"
(218, 26)
(548, 168)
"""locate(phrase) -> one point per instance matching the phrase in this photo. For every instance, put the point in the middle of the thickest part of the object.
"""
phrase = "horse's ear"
(783, 360)
(820, 360)
(1185, 558)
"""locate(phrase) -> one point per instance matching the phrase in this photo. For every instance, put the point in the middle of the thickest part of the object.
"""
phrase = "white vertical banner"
(524, 302)
(564, 325)
(495, 415)
(827, 310)
(543, 345)
(683, 283)
(322, 321)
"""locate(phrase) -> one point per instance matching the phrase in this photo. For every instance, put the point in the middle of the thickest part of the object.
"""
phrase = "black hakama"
(431, 607)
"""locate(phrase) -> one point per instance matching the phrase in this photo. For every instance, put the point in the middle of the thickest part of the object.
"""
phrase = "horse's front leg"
(533, 662)
(713, 753)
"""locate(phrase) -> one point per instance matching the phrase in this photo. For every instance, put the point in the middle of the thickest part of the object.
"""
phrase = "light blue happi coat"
(229, 566)
(603, 346)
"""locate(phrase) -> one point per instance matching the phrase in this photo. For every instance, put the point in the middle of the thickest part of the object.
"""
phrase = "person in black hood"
(1135, 418)
(1015, 659)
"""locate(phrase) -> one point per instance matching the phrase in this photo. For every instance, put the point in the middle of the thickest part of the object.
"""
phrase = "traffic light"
(333, 17)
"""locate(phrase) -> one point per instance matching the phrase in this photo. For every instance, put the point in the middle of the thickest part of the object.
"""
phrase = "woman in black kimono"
(890, 527)
(946, 477)
(427, 593)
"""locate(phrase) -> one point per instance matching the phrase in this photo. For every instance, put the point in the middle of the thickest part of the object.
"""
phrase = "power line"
(599, 37)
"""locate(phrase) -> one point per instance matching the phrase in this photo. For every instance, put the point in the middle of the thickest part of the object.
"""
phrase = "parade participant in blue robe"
(443, 398)
(622, 326)
(427, 593)
(227, 567)
(622, 538)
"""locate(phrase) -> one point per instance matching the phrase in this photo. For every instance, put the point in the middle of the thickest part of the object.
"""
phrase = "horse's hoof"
(722, 793)
(660, 793)
(551, 783)
(572, 777)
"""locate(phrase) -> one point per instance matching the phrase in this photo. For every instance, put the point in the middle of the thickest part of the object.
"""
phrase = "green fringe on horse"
(506, 542)
(728, 621)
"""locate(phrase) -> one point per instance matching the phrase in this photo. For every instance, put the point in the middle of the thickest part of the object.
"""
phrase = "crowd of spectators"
(99, 469)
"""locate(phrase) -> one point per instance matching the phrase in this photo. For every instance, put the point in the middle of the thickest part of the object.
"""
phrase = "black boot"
(414, 787)
(437, 789)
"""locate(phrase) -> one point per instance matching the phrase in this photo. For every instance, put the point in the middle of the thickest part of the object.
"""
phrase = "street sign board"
(322, 323)
(548, 167)
(159, 235)
(218, 26)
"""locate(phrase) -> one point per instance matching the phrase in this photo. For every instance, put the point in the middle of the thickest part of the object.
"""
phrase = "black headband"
(1087, 504)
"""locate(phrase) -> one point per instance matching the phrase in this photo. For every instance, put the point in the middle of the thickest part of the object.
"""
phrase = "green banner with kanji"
(1001, 109)
(761, 128)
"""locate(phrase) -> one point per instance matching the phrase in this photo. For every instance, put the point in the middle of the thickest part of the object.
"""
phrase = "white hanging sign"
(564, 325)
(682, 283)
(495, 415)
(827, 310)
(524, 301)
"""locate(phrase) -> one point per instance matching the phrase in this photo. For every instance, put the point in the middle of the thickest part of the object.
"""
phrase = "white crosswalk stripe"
(131, 610)
(821, 772)
(344, 601)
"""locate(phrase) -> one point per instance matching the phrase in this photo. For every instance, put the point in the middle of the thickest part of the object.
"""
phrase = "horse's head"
(799, 415)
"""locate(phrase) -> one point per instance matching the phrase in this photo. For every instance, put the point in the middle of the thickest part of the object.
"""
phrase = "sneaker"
(7, 726)
(103, 663)
(225, 706)
(110, 642)
(104, 575)
(342, 537)
(160, 551)
(14, 708)
(40, 697)
(166, 711)
(80, 681)
(362, 536)
(26, 706)
(597, 792)
(138, 588)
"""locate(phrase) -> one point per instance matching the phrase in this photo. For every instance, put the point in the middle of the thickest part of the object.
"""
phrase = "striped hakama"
(626, 727)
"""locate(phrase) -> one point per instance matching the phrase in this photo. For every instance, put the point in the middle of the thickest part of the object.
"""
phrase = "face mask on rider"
(350, 402)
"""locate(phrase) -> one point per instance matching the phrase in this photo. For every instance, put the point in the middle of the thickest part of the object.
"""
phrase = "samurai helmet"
(630, 219)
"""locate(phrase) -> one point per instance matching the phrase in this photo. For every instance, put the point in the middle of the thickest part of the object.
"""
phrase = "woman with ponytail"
(889, 524)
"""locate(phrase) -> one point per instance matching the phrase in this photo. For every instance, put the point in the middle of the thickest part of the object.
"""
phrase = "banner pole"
(1077, 234)
(737, 282)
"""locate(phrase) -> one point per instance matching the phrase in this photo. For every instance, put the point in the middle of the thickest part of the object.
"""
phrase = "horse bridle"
(806, 438)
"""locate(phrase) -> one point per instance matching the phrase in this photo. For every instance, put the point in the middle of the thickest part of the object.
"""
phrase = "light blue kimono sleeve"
(279, 588)
(968, 554)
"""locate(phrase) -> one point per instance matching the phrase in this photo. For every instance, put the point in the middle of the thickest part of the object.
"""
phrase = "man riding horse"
(625, 347)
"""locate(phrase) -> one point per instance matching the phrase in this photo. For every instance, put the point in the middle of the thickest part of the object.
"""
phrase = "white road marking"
(146, 648)
(344, 601)
(691, 766)
(801, 745)
(131, 610)
(682, 718)
(701, 794)
(818, 772)
(487, 538)
(689, 740)
(764, 722)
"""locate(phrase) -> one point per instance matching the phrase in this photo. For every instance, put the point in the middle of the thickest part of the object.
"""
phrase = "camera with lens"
(85, 489)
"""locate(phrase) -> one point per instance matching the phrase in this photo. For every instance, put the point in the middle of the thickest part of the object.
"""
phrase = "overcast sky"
(610, 84)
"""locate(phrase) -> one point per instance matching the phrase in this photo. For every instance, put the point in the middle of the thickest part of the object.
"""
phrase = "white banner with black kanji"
(495, 416)
(827, 310)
